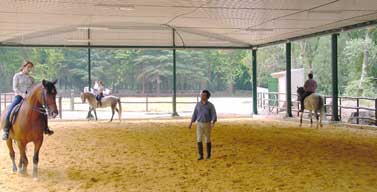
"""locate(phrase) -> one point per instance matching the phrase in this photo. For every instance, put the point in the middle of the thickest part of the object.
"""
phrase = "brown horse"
(30, 123)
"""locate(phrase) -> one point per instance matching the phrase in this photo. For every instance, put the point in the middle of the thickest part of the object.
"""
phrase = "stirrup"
(5, 136)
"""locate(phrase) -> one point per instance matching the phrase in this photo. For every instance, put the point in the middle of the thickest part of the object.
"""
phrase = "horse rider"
(205, 116)
(100, 90)
(95, 87)
(310, 87)
(22, 84)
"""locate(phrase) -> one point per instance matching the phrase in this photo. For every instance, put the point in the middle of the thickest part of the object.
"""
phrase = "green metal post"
(174, 78)
(288, 78)
(254, 83)
(334, 71)
(89, 62)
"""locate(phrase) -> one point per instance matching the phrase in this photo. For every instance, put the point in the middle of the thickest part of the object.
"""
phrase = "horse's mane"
(88, 92)
(50, 87)
(33, 89)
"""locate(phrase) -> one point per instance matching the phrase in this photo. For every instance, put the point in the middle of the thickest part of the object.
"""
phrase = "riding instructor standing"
(22, 84)
(205, 116)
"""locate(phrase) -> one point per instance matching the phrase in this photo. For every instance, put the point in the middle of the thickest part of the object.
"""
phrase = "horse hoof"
(35, 178)
(22, 171)
(14, 170)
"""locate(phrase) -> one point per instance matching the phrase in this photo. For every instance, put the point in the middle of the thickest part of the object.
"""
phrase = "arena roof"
(211, 23)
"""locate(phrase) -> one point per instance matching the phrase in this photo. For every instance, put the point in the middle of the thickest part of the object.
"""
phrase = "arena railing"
(6, 99)
(272, 102)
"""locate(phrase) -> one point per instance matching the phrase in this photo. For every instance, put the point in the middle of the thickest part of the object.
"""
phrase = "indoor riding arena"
(132, 76)
(160, 155)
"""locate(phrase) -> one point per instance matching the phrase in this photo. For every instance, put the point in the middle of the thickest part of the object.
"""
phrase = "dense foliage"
(150, 71)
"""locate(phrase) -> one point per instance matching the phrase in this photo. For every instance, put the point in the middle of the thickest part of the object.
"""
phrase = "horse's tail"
(321, 106)
(120, 109)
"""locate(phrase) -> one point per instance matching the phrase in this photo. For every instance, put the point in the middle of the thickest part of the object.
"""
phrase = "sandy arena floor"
(160, 155)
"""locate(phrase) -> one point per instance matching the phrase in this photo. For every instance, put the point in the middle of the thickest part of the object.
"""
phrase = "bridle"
(44, 109)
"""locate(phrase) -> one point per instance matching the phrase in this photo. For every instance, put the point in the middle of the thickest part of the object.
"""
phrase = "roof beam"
(321, 33)
(123, 46)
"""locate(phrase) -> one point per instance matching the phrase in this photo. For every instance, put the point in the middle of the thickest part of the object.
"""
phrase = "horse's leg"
(113, 112)
(311, 118)
(317, 117)
(95, 113)
(12, 154)
(117, 110)
(23, 159)
(321, 114)
(302, 113)
(89, 113)
(37, 147)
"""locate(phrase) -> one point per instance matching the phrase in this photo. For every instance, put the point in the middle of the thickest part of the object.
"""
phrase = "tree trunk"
(367, 44)
(143, 89)
(302, 53)
(310, 63)
(294, 61)
(312, 53)
(209, 76)
(158, 84)
(142, 69)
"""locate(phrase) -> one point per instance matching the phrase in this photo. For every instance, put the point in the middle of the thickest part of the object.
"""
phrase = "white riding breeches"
(203, 129)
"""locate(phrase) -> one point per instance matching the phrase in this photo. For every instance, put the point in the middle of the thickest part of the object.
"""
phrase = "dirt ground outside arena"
(160, 155)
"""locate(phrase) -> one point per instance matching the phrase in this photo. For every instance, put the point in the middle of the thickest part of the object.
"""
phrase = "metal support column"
(254, 83)
(174, 78)
(89, 73)
(288, 78)
(334, 71)
(89, 62)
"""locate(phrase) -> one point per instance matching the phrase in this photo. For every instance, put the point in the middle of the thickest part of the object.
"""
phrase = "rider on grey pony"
(310, 87)
(22, 84)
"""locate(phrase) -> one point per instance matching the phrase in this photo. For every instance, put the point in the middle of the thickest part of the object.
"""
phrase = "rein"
(44, 108)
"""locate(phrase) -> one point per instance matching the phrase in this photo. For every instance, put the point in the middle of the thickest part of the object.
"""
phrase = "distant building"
(297, 80)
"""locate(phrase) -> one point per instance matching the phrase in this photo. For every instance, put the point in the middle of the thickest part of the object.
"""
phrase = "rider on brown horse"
(310, 87)
(22, 84)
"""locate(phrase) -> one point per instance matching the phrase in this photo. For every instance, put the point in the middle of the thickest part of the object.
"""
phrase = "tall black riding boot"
(6, 130)
(200, 150)
(209, 147)
(47, 130)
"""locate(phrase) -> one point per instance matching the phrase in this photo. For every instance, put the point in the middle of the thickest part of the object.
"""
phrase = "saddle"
(14, 113)
(99, 97)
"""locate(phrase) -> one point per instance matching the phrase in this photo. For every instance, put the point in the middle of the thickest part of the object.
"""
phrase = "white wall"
(298, 79)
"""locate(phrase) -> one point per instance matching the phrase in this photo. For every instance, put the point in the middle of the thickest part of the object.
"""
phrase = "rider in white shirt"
(22, 84)
(100, 90)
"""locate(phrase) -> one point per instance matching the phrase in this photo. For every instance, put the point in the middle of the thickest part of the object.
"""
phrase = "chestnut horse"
(30, 124)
